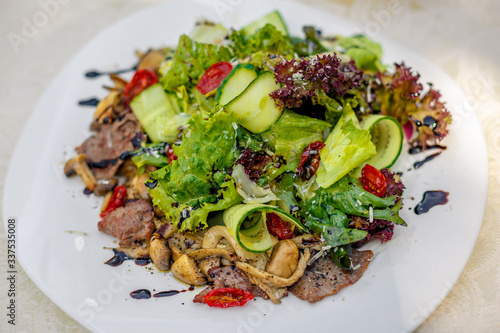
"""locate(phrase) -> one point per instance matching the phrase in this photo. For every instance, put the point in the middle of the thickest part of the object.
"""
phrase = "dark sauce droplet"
(431, 199)
(141, 294)
(94, 73)
(430, 122)
(429, 158)
(172, 292)
(166, 293)
(418, 149)
(142, 261)
(89, 102)
(118, 259)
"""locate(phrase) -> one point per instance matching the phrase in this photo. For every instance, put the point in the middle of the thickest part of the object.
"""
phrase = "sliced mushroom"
(107, 199)
(118, 81)
(274, 293)
(207, 264)
(137, 187)
(151, 60)
(78, 165)
(216, 233)
(201, 254)
(272, 279)
(284, 259)
(176, 252)
(185, 269)
(159, 252)
(167, 230)
(104, 186)
(135, 252)
(127, 169)
(104, 110)
(185, 242)
(308, 241)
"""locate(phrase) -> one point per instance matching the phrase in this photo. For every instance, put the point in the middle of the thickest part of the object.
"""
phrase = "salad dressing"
(429, 158)
(146, 294)
(94, 73)
(431, 199)
(120, 257)
(141, 294)
(89, 102)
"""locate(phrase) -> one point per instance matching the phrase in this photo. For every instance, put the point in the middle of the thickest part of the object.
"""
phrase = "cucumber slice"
(236, 81)
(273, 18)
(254, 108)
(159, 114)
(247, 224)
(387, 136)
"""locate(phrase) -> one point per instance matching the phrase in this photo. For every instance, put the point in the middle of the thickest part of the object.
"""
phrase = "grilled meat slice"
(229, 277)
(132, 223)
(324, 277)
(103, 149)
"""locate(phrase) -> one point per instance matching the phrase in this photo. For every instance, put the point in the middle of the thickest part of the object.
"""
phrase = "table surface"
(460, 36)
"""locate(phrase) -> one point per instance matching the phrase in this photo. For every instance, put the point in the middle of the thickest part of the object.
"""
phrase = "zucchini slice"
(387, 136)
(254, 108)
(235, 83)
(247, 224)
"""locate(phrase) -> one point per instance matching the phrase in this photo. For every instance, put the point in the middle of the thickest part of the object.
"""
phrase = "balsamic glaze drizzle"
(141, 294)
(89, 102)
(431, 199)
(94, 73)
(419, 164)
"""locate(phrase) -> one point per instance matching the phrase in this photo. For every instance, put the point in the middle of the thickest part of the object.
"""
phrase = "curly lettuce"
(266, 41)
(400, 95)
(191, 60)
(198, 183)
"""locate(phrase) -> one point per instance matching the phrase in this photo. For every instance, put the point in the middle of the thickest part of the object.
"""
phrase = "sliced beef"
(324, 277)
(230, 277)
(104, 148)
(132, 223)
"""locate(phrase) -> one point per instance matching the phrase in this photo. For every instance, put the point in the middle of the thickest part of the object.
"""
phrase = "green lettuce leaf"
(366, 53)
(346, 147)
(327, 212)
(266, 41)
(291, 134)
(150, 154)
(190, 61)
(197, 183)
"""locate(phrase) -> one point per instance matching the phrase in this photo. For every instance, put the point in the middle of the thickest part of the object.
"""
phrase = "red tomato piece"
(309, 162)
(213, 77)
(278, 228)
(373, 180)
(142, 79)
(117, 200)
(170, 154)
(227, 297)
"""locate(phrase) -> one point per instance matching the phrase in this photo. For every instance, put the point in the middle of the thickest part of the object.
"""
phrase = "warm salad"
(256, 162)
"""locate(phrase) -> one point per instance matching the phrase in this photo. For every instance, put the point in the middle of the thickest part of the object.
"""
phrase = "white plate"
(405, 282)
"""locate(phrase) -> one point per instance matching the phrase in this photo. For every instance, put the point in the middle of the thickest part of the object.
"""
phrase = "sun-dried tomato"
(309, 162)
(117, 200)
(213, 77)
(227, 297)
(279, 228)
